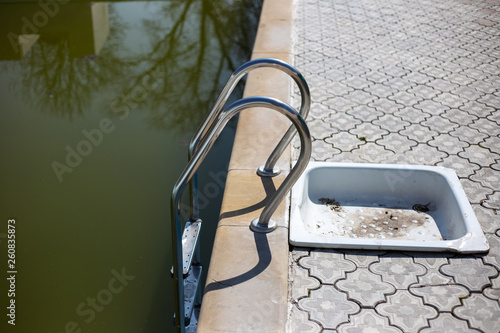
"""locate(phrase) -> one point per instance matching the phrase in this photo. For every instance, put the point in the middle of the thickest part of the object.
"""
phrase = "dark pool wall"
(98, 102)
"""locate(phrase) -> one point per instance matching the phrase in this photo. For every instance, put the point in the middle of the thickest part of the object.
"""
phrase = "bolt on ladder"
(187, 268)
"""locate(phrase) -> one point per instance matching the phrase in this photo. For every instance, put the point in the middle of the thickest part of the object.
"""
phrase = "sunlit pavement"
(407, 82)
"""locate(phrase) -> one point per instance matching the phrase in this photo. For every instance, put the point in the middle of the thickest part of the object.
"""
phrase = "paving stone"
(450, 100)
(322, 150)
(490, 100)
(412, 115)
(446, 323)
(363, 258)
(345, 141)
(418, 78)
(320, 130)
(462, 167)
(494, 117)
(444, 84)
(346, 157)
(318, 111)
(443, 297)
(494, 291)
(380, 90)
(477, 108)
(329, 306)
(424, 154)
(447, 143)
(439, 124)
(361, 97)
(468, 92)
(368, 321)
(469, 272)
(385, 105)
(476, 154)
(299, 252)
(481, 312)
(470, 135)
(299, 322)
(493, 202)
(488, 218)
(337, 88)
(493, 256)
(459, 117)
(401, 84)
(405, 98)
(365, 113)
(357, 82)
(488, 178)
(431, 107)
(431, 261)
(370, 132)
(419, 133)
(320, 94)
(406, 311)
(492, 143)
(365, 287)
(327, 265)
(301, 282)
(342, 121)
(373, 153)
(397, 143)
(476, 193)
(399, 270)
(391, 123)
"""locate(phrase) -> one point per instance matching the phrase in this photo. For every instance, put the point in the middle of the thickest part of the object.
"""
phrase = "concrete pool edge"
(247, 282)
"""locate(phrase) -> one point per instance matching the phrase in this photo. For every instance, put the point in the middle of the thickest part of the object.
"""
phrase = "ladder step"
(193, 324)
(191, 285)
(189, 241)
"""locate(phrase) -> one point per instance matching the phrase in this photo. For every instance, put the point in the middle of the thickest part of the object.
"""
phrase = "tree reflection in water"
(195, 43)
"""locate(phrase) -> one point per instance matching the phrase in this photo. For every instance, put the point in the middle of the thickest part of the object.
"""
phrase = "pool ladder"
(187, 268)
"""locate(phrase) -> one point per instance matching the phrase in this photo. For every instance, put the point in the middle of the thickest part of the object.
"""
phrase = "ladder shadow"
(260, 239)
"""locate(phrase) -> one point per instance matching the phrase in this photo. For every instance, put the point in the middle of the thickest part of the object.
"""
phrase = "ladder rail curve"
(268, 169)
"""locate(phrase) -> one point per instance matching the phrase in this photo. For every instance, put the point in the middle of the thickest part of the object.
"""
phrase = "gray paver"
(446, 323)
(365, 287)
(327, 266)
(302, 283)
(419, 89)
(493, 256)
(328, 306)
(397, 143)
(399, 270)
(300, 323)
(463, 168)
(448, 144)
(368, 322)
(407, 311)
(481, 312)
(443, 297)
(370, 132)
(487, 177)
(472, 273)
(345, 141)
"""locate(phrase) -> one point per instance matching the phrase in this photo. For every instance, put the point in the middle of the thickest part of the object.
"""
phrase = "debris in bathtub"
(421, 208)
(331, 203)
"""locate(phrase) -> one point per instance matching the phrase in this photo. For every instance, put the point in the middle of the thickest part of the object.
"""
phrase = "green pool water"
(98, 102)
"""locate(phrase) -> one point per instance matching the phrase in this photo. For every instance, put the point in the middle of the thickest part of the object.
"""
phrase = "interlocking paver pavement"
(403, 81)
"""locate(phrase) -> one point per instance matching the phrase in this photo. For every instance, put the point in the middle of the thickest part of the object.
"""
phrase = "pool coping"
(247, 282)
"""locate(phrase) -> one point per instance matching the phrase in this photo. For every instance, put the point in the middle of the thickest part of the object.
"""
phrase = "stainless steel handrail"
(269, 169)
(264, 223)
